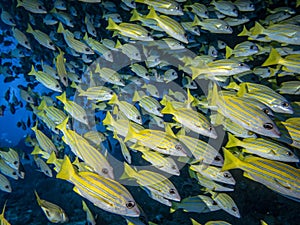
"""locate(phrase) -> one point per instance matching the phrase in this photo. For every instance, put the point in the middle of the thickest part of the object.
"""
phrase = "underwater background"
(255, 201)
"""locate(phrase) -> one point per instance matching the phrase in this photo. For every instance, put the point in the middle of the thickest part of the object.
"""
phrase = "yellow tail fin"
(67, 170)
(273, 59)
(232, 141)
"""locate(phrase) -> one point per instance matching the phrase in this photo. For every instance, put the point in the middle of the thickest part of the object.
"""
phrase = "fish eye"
(178, 147)
(136, 54)
(109, 55)
(266, 111)
(138, 117)
(28, 98)
(218, 158)
(226, 175)
(172, 191)
(251, 5)
(64, 78)
(15, 162)
(146, 74)
(105, 170)
(241, 64)
(250, 133)
(253, 47)
(84, 117)
(40, 7)
(173, 167)
(290, 154)
(6, 187)
(94, 32)
(268, 126)
(285, 104)
(57, 86)
(235, 11)
(226, 27)
(111, 92)
(51, 43)
(234, 209)
(14, 173)
(87, 49)
(269, 71)
(56, 129)
(130, 204)
(206, 12)
(26, 42)
(210, 128)
(214, 203)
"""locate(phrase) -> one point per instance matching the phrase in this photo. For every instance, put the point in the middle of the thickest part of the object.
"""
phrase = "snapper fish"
(104, 193)
(53, 212)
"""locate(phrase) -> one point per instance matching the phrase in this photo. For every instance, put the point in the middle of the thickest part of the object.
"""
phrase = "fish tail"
(196, 21)
(19, 3)
(62, 97)
(168, 109)
(75, 86)
(67, 170)
(37, 197)
(53, 10)
(228, 51)
(244, 32)
(84, 206)
(136, 97)
(60, 28)
(258, 29)
(42, 105)
(63, 124)
(232, 141)
(128, 172)
(195, 72)
(85, 37)
(243, 90)
(213, 95)
(35, 127)
(52, 158)
(3, 210)
(135, 16)
(32, 72)
(118, 44)
(112, 25)
(152, 14)
(37, 150)
(273, 59)
(108, 120)
(114, 100)
(130, 133)
(230, 161)
(29, 29)
(174, 207)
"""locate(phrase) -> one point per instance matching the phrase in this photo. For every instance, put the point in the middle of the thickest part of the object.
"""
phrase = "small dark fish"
(2, 109)
(12, 108)
(10, 79)
(7, 94)
(28, 122)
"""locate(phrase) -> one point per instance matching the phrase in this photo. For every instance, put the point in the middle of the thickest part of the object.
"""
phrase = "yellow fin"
(232, 141)
(63, 125)
(228, 51)
(273, 59)
(128, 172)
(67, 170)
(37, 197)
(230, 161)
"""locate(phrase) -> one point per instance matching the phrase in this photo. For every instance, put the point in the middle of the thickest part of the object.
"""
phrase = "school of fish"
(147, 87)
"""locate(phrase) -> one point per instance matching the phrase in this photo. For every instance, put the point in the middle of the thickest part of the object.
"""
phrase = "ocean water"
(255, 202)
